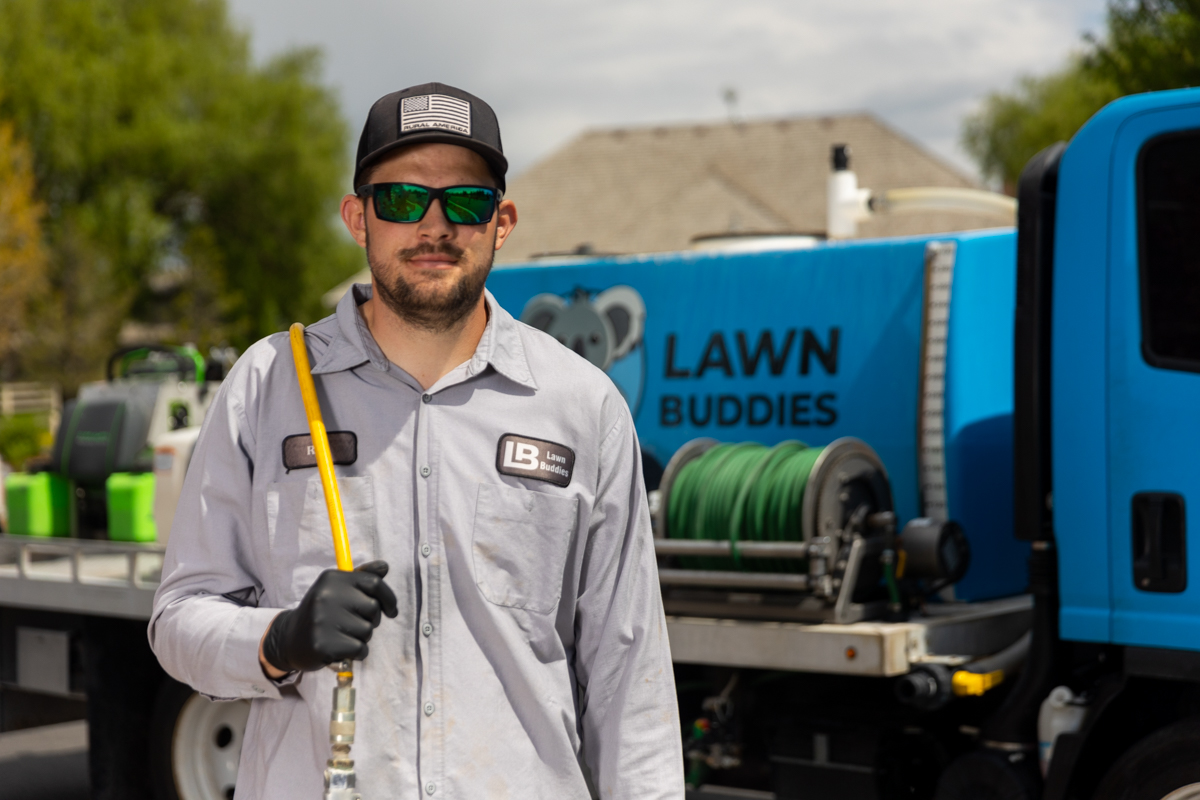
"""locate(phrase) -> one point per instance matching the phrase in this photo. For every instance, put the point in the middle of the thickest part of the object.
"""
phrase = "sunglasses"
(408, 202)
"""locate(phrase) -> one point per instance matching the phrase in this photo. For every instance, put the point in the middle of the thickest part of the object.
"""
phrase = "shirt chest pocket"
(519, 545)
(301, 538)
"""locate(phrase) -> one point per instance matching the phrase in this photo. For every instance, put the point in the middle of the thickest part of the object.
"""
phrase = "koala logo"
(606, 330)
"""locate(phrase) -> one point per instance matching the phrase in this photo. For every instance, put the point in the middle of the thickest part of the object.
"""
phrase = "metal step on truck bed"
(81, 576)
(953, 634)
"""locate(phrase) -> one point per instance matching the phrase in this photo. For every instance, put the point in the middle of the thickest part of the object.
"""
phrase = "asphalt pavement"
(48, 763)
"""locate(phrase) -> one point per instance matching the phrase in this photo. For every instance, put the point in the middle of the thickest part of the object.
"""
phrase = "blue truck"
(920, 504)
(983, 591)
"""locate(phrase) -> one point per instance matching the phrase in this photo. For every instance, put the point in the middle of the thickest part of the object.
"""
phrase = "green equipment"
(131, 507)
(38, 504)
(121, 449)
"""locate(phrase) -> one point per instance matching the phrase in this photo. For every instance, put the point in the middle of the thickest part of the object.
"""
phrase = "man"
(490, 473)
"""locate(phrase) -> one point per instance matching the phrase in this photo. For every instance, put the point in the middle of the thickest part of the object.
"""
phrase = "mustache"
(426, 249)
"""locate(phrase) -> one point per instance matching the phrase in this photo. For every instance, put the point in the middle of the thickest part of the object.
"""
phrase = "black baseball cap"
(431, 112)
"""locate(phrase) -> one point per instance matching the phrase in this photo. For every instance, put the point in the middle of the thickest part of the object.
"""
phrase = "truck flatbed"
(80, 576)
(119, 579)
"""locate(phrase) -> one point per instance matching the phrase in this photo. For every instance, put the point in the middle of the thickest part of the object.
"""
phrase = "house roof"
(635, 190)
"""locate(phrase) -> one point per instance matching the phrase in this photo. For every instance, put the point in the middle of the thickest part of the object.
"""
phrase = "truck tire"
(1163, 766)
(988, 775)
(196, 744)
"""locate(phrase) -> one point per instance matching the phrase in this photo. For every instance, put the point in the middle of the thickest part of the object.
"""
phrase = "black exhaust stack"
(1010, 745)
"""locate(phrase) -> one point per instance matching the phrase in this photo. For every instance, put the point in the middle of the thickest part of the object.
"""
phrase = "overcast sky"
(552, 68)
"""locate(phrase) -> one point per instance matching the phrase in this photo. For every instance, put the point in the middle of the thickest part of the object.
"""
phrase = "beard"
(443, 301)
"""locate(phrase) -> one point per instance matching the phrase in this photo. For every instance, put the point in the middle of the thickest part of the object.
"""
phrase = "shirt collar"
(352, 344)
(501, 347)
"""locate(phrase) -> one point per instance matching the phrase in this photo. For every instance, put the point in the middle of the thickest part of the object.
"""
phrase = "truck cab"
(1107, 352)
(1125, 366)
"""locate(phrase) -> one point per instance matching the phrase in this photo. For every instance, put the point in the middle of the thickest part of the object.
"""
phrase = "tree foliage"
(1013, 127)
(1149, 45)
(186, 188)
(22, 255)
(1152, 45)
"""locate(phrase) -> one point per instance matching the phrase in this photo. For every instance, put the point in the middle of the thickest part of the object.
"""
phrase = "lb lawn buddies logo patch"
(437, 111)
(299, 451)
(523, 457)
(606, 329)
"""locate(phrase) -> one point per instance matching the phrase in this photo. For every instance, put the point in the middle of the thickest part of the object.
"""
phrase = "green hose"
(742, 493)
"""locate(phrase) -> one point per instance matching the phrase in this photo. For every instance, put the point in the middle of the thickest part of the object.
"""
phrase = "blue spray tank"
(905, 344)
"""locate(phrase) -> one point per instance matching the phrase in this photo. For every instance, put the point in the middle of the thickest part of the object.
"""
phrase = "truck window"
(1169, 227)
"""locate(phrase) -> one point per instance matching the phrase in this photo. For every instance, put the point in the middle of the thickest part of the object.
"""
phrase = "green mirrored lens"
(401, 202)
(467, 205)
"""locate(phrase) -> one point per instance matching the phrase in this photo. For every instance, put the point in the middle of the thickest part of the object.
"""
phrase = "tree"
(185, 187)
(22, 256)
(1152, 45)
(1149, 45)
(1013, 127)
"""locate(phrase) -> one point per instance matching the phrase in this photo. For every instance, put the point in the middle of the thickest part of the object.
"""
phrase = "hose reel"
(789, 532)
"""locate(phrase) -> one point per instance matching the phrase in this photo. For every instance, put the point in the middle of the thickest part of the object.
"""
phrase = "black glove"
(333, 622)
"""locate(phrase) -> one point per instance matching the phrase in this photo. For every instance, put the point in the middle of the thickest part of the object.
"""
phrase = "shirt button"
(425, 472)
(428, 709)
(425, 398)
(427, 629)
(426, 550)
(430, 788)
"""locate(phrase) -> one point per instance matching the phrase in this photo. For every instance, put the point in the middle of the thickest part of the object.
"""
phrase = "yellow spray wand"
(320, 439)
(339, 771)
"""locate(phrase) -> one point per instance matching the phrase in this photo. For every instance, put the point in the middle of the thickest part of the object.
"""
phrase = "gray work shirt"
(530, 658)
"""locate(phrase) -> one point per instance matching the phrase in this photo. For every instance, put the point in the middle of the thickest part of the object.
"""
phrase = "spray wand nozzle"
(339, 771)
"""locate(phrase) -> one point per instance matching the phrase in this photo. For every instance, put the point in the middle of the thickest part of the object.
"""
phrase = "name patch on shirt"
(299, 452)
(524, 457)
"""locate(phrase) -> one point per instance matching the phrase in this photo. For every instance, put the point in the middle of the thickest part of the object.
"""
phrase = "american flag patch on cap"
(437, 111)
